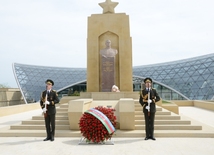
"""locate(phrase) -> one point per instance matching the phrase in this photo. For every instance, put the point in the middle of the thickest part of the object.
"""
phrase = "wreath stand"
(83, 141)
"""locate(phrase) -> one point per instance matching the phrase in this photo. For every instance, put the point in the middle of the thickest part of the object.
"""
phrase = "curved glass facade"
(185, 79)
(193, 77)
(31, 79)
(163, 90)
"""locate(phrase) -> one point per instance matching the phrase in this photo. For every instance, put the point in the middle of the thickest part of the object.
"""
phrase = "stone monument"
(108, 66)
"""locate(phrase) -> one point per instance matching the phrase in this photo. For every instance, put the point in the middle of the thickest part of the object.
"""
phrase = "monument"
(108, 66)
(109, 69)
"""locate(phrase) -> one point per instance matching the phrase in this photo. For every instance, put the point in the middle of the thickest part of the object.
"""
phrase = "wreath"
(95, 129)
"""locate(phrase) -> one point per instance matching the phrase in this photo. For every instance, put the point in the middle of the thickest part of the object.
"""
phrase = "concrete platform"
(125, 146)
(166, 125)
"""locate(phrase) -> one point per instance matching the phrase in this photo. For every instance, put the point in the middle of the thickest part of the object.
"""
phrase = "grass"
(164, 101)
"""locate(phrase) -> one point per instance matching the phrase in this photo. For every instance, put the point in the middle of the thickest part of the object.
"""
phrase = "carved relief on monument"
(108, 66)
(108, 51)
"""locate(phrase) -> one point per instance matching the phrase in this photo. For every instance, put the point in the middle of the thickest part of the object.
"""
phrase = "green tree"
(76, 93)
(4, 86)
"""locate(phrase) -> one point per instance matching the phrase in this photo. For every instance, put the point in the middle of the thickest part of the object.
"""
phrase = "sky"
(54, 32)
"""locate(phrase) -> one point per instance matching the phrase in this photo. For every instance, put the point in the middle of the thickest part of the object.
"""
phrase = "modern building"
(188, 79)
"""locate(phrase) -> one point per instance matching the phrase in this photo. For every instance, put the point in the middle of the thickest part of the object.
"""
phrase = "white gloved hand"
(47, 102)
(149, 101)
(44, 110)
(147, 107)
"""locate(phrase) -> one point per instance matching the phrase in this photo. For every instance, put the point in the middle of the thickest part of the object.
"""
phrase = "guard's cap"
(49, 81)
(147, 80)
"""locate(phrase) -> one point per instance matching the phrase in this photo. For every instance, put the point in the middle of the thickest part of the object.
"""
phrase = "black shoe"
(146, 138)
(52, 138)
(46, 139)
(153, 138)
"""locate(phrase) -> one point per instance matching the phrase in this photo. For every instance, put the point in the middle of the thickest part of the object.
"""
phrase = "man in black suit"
(148, 98)
(48, 100)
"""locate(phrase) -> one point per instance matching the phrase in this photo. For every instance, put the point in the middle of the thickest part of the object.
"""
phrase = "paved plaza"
(122, 146)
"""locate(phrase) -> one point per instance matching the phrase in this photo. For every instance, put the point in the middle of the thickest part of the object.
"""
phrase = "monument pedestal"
(123, 103)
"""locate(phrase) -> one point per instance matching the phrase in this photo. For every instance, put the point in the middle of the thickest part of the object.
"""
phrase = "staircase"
(164, 120)
(36, 126)
(167, 124)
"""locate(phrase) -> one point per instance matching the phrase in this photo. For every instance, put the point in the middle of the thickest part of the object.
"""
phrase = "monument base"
(109, 95)
(83, 141)
(122, 102)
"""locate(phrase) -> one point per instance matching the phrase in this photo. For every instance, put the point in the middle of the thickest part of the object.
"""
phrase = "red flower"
(93, 129)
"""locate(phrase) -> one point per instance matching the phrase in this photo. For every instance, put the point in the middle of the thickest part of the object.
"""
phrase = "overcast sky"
(54, 32)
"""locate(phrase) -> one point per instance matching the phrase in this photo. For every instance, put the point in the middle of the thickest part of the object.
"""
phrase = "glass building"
(188, 79)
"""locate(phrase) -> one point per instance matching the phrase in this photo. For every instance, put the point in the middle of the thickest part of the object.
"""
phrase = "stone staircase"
(36, 126)
(37, 122)
(164, 120)
(167, 124)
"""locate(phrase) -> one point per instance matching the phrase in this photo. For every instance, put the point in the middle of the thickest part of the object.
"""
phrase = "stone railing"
(10, 110)
(10, 96)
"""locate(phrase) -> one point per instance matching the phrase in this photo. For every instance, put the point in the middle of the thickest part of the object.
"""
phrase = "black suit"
(51, 111)
(149, 118)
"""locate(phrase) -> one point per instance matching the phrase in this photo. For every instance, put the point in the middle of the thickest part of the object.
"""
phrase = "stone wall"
(10, 96)
(10, 110)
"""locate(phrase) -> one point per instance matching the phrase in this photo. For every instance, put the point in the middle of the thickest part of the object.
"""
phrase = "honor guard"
(148, 99)
(48, 100)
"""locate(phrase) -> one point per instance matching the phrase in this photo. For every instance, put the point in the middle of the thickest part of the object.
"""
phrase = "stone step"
(166, 133)
(138, 104)
(39, 133)
(62, 110)
(165, 122)
(37, 127)
(118, 133)
(140, 108)
(160, 117)
(57, 117)
(62, 113)
(157, 113)
(41, 122)
(64, 106)
(171, 127)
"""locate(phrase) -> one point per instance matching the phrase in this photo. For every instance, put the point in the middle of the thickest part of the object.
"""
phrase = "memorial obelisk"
(109, 50)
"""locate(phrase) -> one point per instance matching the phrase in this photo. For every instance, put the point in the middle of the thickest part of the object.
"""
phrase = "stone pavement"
(123, 146)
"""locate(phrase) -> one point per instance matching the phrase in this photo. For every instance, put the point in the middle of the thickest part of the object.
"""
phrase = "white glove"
(149, 101)
(47, 102)
(44, 110)
(147, 107)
